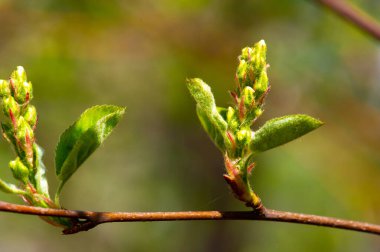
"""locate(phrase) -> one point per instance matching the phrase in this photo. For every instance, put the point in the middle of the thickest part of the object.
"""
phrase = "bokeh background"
(138, 54)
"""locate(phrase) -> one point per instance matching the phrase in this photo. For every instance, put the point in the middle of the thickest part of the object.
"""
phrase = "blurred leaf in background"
(138, 54)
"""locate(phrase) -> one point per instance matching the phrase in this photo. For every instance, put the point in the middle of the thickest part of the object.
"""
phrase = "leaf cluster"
(231, 128)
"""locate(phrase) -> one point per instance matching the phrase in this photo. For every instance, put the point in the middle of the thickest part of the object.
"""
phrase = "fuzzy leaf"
(208, 113)
(210, 129)
(281, 130)
(81, 139)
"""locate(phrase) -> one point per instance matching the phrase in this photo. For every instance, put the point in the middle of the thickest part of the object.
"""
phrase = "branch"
(354, 15)
(91, 219)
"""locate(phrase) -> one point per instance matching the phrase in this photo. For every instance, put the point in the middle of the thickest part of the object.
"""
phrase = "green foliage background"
(138, 54)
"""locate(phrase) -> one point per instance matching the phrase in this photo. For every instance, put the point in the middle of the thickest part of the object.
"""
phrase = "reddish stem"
(96, 218)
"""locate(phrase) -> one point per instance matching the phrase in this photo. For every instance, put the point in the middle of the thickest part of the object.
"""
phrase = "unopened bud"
(259, 57)
(24, 92)
(249, 99)
(261, 85)
(246, 54)
(19, 170)
(30, 115)
(244, 136)
(242, 73)
(10, 108)
(19, 75)
(232, 119)
(25, 140)
(25, 134)
(4, 88)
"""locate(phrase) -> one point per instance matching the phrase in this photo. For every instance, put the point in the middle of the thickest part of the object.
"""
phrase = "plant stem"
(92, 219)
(354, 15)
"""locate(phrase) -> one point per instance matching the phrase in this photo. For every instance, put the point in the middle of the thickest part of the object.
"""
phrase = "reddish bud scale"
(262, 97)
(241, 108)
(251, 74)
(232, 140)
(13, 119)
(27, 97)
(235, 97)
(237, 82)
(13, 87)
(230, 167)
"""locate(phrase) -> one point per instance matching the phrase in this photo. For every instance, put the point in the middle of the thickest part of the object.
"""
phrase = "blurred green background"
(138, 54)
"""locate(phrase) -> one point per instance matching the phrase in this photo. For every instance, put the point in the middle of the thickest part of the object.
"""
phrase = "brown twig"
(91, 219)
(354, 15)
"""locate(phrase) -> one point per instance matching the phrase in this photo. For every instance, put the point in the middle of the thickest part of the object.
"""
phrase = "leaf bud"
(244, 136)
(246, 54)
(232, 119)
(249, 99)
(10, 108)
(19, 170)
(4, 88)
(19, 75)
(25, 137)
(24, 132)
(261, 85)
(24, 92)
(241, 73)
(259, 57)
(30, 115)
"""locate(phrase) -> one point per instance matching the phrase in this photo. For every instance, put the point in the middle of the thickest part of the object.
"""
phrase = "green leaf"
(81, 139)
(281, 130)
(210, 129)
(208, 113)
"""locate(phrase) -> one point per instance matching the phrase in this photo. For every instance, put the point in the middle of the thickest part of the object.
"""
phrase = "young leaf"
(281, 130)
(210, 129)
(208, 112)
(81, 139)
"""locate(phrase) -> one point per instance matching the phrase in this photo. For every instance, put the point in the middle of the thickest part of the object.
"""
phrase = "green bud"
(244, 136)
(4, 88)
(19, 75)
(249, 99)
(24, 92)
(241, 73)
(259, 57)
(245, 74)
(261, 85)
(25, 137)
(30, 115)
(19, 170)
(252, 62)
(24, 132)
(246, 54)
(11, 108)
(232, 119)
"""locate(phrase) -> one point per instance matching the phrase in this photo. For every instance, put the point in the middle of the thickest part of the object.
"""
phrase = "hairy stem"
(354, 15)
(91, 219)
